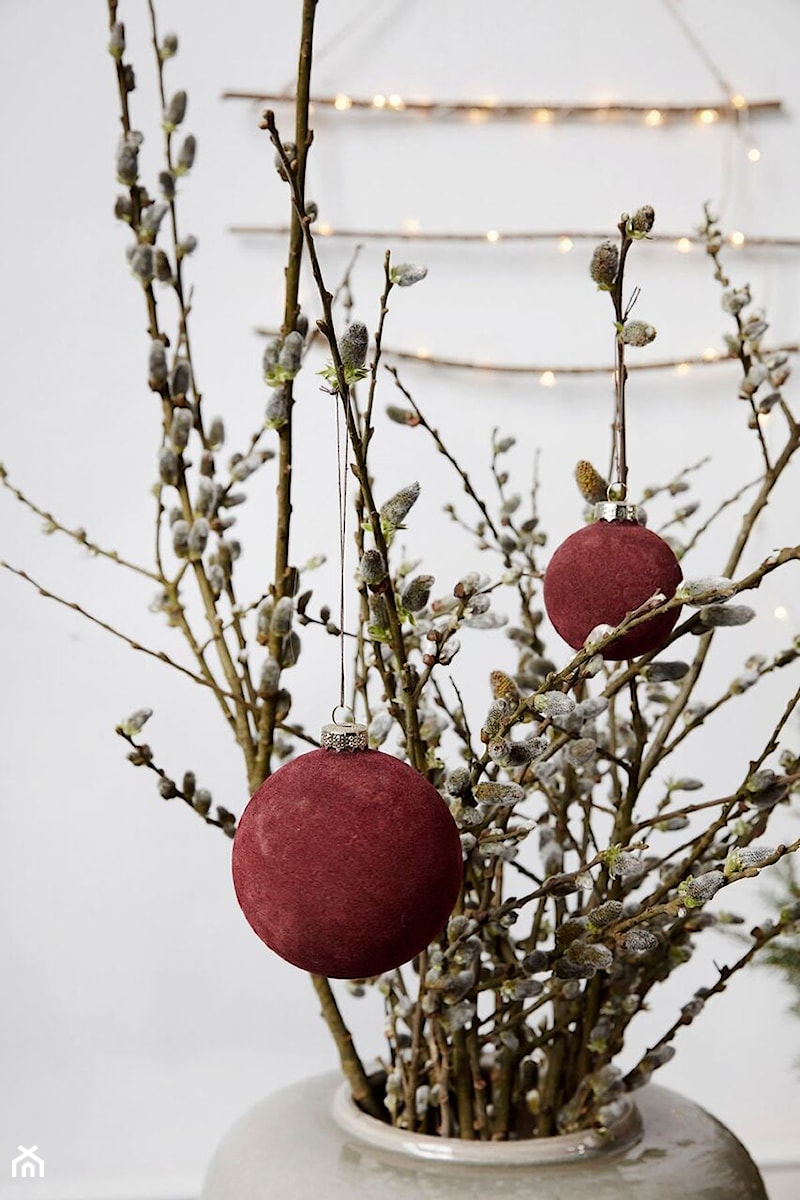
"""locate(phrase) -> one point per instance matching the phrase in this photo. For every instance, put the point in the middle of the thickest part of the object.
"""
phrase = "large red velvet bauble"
(347, 864)
(603, 572)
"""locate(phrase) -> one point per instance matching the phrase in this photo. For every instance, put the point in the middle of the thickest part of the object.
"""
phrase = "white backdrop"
(139, 1015)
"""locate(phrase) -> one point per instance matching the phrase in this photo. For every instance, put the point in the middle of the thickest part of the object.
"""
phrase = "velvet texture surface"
(601, 573)
(347, 864)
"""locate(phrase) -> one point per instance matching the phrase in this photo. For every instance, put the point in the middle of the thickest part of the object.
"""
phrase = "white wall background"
(139, 1015)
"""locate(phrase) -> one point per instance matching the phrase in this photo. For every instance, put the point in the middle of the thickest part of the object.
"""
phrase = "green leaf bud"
(168, 468)
(142, 265)
(181, 427)
(162, 271)
(354, 345)
(277, 412)
(136, 721)
(186, 246)
(270, 677)
(180, 538)
(201, 802)
(640, 941)
(372, 567)
(116, 42)
(407, 274)
(727, 614)
(638, 333)
(640, 224)
(186, 155)
(290, 357)
(702, 888)
(128, 159)
(415, 595)
(397, 508)
(157, 366)
(216, 434)
(198, 538)
(605, 265)
(175, 112)
(152, 217)
(169, 47)
(282, 613)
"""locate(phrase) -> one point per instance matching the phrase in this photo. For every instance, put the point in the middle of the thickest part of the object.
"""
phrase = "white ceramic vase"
(309, 1142)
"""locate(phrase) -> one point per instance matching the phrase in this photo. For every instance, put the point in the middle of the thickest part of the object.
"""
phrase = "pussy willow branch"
(414, 743)
(283, 576)
(620, 457)
(161, 655)
(676, 708)
(78, 535)
(733, 690)
(241, 706)
(762, 936)
(178, 287)
(530, 564)
(179, 794)
(718, 511)
(184, 342)
(352, 1067)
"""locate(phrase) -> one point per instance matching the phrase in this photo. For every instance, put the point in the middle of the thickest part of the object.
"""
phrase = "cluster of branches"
(509, 1024)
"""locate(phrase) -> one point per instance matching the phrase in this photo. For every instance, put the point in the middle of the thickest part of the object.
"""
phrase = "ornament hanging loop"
(342, 715)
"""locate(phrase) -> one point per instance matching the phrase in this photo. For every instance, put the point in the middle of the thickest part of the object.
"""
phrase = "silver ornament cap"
(343, 732)
(619, 510)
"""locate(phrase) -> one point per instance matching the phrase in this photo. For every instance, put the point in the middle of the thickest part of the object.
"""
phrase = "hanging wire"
(694, 41)
(342, 445)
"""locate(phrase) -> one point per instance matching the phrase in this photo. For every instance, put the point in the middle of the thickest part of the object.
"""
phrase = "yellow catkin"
(590, 482)
(503, 686)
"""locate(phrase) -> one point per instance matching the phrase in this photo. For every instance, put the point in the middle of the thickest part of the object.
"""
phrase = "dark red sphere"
(347, 864)
(603, 572)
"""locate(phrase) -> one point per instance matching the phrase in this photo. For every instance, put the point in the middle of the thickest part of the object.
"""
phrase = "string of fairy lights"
(411, 231)
(736, 108)
(548, 375)
(732, 108)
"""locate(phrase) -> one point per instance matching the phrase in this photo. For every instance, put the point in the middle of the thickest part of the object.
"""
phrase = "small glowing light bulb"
(710, 354)
(423, 352)
(683, 245)
(543, 116)
(654, 117)
(396, 102)
(379, 102)
(781, 612)
(707, 116)
(411, 224)
(342, 102)
(492, 235)
(477, 115)
(564, 245)
(683, 368)
(547, 379)
(324, 230)
(737, 238)
(738, 101)
(754, 154)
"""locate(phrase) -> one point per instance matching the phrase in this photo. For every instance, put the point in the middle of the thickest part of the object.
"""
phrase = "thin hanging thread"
(341, 484)
(694, 41)
(619, 456)
(741, 114)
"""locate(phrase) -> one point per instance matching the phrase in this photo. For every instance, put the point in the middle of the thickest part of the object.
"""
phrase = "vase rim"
(624, 1131)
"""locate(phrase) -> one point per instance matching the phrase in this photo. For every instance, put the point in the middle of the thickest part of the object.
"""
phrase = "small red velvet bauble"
(347, 863)
(600, 574)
